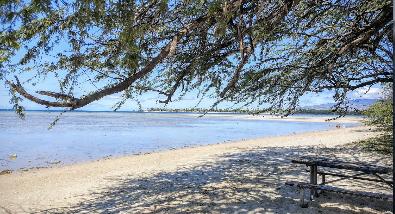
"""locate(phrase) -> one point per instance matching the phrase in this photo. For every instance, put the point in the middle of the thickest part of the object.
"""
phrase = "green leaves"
(380, 115)
(296, 47)
(15, 101)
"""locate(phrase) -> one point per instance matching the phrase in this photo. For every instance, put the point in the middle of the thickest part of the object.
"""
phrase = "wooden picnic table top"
(338, 164)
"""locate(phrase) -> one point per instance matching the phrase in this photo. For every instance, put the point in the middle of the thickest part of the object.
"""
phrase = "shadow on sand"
(252, 181)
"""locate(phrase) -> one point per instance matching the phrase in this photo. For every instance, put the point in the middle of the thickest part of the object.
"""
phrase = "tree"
(243, 51)
(380, 116)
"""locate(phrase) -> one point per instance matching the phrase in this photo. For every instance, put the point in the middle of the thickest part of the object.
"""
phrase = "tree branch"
(168, 50)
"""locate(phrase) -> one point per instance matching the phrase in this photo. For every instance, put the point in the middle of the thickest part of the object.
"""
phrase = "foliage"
(382, 144)
(244, 111)
(242, 51)
(380, 116)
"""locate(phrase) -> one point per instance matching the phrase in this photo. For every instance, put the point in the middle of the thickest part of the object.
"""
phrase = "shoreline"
(29, 162)
(40, 189)
(226, 143)
(303, 118)
(356, 122)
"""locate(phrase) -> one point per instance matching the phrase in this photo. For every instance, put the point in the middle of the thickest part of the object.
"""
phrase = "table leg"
(313, 181)
(302, 203)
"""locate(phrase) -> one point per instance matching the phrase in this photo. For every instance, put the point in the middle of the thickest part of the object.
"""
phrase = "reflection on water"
(81, 136)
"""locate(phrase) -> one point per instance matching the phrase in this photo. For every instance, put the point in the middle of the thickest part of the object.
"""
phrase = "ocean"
(84, 136)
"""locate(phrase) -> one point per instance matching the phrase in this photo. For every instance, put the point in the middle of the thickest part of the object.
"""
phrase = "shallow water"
(81, 136)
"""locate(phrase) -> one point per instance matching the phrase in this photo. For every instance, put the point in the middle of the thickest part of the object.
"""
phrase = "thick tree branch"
(18, 88)
(168, 50)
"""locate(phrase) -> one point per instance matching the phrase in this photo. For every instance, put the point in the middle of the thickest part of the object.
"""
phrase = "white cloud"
(311, 99)
(367, 93)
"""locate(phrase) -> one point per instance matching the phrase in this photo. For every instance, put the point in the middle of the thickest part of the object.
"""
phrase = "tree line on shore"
(245, 111)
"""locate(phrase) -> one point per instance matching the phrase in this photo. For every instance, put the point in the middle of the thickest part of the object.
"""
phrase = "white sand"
(294, 118)
(245, 176)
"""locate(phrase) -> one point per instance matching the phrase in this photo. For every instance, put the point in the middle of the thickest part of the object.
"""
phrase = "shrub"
(380, 116)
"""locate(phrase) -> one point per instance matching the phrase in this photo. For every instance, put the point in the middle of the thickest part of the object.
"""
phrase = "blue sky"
(150, 99)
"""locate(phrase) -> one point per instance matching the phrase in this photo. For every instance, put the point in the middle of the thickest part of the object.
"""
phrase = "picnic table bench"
(367, 172)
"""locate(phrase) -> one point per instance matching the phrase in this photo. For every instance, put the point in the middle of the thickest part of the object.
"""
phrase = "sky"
(150, 99)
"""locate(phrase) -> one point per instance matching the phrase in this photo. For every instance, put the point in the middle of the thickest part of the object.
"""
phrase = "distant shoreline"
(308, 112)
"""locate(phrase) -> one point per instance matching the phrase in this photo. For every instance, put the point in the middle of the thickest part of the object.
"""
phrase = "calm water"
(81, 136)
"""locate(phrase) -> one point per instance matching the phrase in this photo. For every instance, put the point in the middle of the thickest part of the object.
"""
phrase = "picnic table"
(367, 172)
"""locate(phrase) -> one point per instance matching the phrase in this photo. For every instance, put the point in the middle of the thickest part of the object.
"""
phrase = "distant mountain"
(359, 104)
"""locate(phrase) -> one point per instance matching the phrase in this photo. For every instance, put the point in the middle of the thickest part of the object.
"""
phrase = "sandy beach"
(239, 177)
(293, 118)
